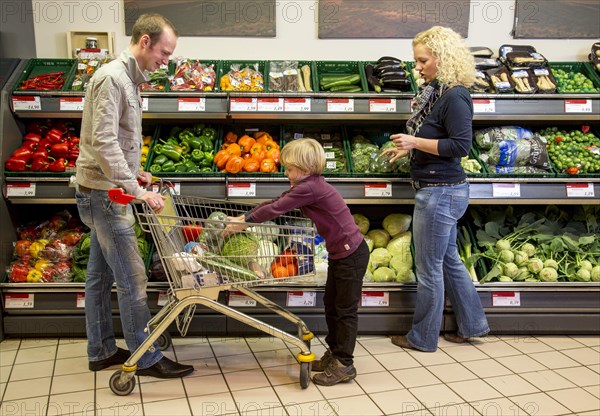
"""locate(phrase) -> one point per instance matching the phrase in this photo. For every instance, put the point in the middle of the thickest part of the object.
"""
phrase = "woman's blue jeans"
(114, 257)
(438, 266)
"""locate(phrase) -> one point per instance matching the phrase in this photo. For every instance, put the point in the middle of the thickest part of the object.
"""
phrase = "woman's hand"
(404, 141)
(234, 225)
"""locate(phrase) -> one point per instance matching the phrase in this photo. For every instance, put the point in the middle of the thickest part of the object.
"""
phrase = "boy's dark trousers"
(343, 292)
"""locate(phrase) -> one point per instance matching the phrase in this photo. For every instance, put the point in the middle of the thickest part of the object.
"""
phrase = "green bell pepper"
(160, 159)
(195, 142)
(210, 133)
(198, 127)
(186, 134)
(207, 145)
(175, 131)
(190, 164)
(197, 155)
(180, 168)
(185, 147)
(155, 168)
(171, 152)
(168, 166)
(205, 170)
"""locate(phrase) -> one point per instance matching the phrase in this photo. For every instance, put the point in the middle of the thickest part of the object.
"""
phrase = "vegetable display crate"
(313, 78)
(337, 68)
(576, 67)
(36, 67)
(332, 139)
(164, 133)
(260, 66)
(474, 154)
(488, 173)
(595, 132)
(408, 66)
(174, 79)
(163, 85)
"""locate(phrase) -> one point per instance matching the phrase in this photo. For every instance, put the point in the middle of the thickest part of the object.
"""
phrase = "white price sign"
(506, 299)
(504, 190)
(191, 104)
(382, 105)
(80, 300)
(20, 189)
(163, 298)
(579, 190)
(175, 187)
(300, 105)
(340, 105)
(578, 106)
(23, 103)
(18, 301)
(301, 298)
(270, 104)
(144, 103)
(238, 299)
(375, 299)
(484, 106)
(71, 104)
(243, 104)
(378, 190)
(241, 189)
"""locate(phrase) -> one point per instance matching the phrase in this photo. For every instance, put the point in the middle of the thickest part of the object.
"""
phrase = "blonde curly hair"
(456, 65)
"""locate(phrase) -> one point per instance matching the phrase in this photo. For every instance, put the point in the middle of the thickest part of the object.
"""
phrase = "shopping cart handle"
(119, 196)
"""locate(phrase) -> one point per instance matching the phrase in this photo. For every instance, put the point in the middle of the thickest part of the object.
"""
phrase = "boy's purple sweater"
(320, 202)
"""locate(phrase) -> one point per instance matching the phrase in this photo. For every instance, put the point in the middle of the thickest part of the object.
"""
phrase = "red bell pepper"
(15, 164)
(73, 153)
(33, 137)
(54, 136)
(74, 141)
(39, 164)
(28, 144)
(18, 273)
(71, 163)
(59, 150)
(40, 154)
(23, 153)
(44, 144)
(59, 165)
(37, 128)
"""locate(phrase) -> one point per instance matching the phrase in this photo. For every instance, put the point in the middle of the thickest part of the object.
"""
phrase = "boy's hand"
(235, 224)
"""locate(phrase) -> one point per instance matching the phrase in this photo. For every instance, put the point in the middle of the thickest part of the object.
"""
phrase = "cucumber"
(348, 80)
(325, 79)
(345, 88)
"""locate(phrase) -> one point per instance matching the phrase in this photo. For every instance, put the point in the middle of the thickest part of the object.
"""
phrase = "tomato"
(191, 232)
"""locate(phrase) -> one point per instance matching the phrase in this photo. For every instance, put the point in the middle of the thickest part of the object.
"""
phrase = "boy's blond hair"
(306, 154)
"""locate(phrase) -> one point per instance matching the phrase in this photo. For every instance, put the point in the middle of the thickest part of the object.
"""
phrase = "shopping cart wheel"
(305, 374)
(119, 388)
(164, 341)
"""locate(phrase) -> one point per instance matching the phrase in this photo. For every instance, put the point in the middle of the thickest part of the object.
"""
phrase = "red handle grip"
(119, 196)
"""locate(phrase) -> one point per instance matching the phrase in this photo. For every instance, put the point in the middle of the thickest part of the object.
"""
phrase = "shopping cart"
(200, 263)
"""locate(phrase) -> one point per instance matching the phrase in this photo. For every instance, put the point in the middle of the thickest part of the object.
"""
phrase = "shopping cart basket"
(200, 263)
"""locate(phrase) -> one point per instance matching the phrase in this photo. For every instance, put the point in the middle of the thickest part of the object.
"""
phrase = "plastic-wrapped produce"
(506, 155)
(485, 138)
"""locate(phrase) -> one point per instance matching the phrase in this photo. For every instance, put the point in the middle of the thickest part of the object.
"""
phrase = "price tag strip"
(239, 299)
(340, 105)
(506, 190)
(20, 189)
(484, 106)
(506, 299)
(580, 190)
(80, 300)
(26, 103)
(18, 301)
(270, 104)
(375, 299)
(71, 104)
(241, 189)
(191, 104)
(299, 105)
(300, 299)
(243, 104)
(578, 106)
(382, 105)
(378, 190)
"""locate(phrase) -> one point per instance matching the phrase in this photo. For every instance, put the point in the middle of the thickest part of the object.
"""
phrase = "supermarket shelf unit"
(57, 309)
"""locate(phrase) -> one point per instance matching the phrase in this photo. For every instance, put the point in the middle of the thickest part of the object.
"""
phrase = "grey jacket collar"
(135, 73)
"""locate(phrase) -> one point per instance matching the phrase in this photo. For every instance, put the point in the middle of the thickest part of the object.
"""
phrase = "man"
(110, 149)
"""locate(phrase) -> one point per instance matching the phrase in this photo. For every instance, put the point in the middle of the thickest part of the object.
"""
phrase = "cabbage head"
(380, 237)
(401, 264)
(362, 222)
(407, 277)
(400, 245)
(241, 249)
(395, 224)
(384, 274)
(369, 242)
(368, 276)
(361, 163)
(380, 257)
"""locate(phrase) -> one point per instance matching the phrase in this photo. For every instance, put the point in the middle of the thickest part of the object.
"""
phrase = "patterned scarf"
(423, 103)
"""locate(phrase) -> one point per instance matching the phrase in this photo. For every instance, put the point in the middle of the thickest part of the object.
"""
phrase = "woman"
(439, 134)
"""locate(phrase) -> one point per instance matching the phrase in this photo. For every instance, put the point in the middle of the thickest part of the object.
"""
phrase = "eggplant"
(396, 73)
(388, 67)
(388, 58)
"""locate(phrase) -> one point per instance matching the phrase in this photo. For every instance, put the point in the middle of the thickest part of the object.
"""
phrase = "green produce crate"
(45, 66)
(475, 151)
(162, 133)
(474, 154)
(596, 133)
(240, 130)
(578, 67)
(408, 66)
(225, 67)
(313, 78)
(216, 66)
(325, 68)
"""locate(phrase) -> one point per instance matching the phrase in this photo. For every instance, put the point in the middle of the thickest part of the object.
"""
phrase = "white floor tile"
(357, 405)
(547, 380)
(376, 382)
(379, 345)
(213, 404)
(80, 402)
(397, 401)
(431, 358)
(284, 374)
(186, 352)
(511, 385)
(487, 368)
(397, 360)
(7, 357)
(31, 355)
(240, 362)
(73, 366)
(254, 399)
(577, 400)
(203, 367)
(554, 359)
(72, 383)
(527, 344)
(474, 390)
(10, 344)
(458, 409)
(589, 340)
(498, 407)
(594, 390)
(539, 404)
(585, 356)
(322, 407)
(229, 346)
(71, 349)
(520, 363)
(359, 350)
(290, 394)
(367, 364)
(497, 348)
(275, 358)
(23, 389)
(465, 352)
(351, 388)
(200, 386)
(560, 342)
(581, 376)
(265, 344)
(20, 407)
(415, 377)
(451, 372)
(436, 396)
(277, 411)
(38, 342)
(177, 407)
(105, 398)
(32, 371)
(243, 380)
(161, 390)
(5, 373)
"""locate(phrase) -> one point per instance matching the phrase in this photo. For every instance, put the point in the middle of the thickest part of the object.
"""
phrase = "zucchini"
(227, 268)
(325, 79)
(345, 88)
(348, 80)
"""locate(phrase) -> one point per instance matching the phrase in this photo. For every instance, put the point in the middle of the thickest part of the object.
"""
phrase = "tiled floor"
(508, 375)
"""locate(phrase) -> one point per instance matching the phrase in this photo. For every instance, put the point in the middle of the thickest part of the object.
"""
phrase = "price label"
(175, 187)
(23, 103)
(506, 190)
(144, 103)
(340, 105)
(299, 105)
(378, 190)
(506, 299)
(270, 104)
(578, 106)
(20, 189)
(191, 104)
(375, 299)
(80, 300)
(484, 106)
(18, 301)
(301, 299)
(71, 104)
(580, 190)
(243, 104)
(241, 189)
(238, 299)
(163, 298)
(382, 105)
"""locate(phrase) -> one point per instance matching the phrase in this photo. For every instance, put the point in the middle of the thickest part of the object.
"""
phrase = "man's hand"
(156, 201)
(235, 224)
(145, 179)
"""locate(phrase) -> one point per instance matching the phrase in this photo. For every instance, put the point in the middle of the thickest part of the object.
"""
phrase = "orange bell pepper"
(268, 166)
(230, 137)
(221, 158)
(234, 149)
(246, 142)
(251, 165)
(234, 164)
(274, 154)
(258, 151)
(271, 144)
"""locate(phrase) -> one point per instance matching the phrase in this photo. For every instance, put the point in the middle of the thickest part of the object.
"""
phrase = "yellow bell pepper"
(34, 276)
(42, 264)
(145, 150)
(147, 140)
(36, 247)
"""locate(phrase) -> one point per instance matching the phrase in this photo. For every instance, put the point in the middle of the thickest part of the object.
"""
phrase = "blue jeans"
(438, 266)
(114, 257)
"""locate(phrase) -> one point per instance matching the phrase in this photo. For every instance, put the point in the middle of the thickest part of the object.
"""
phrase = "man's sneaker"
(335, 373)
(320, 365)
